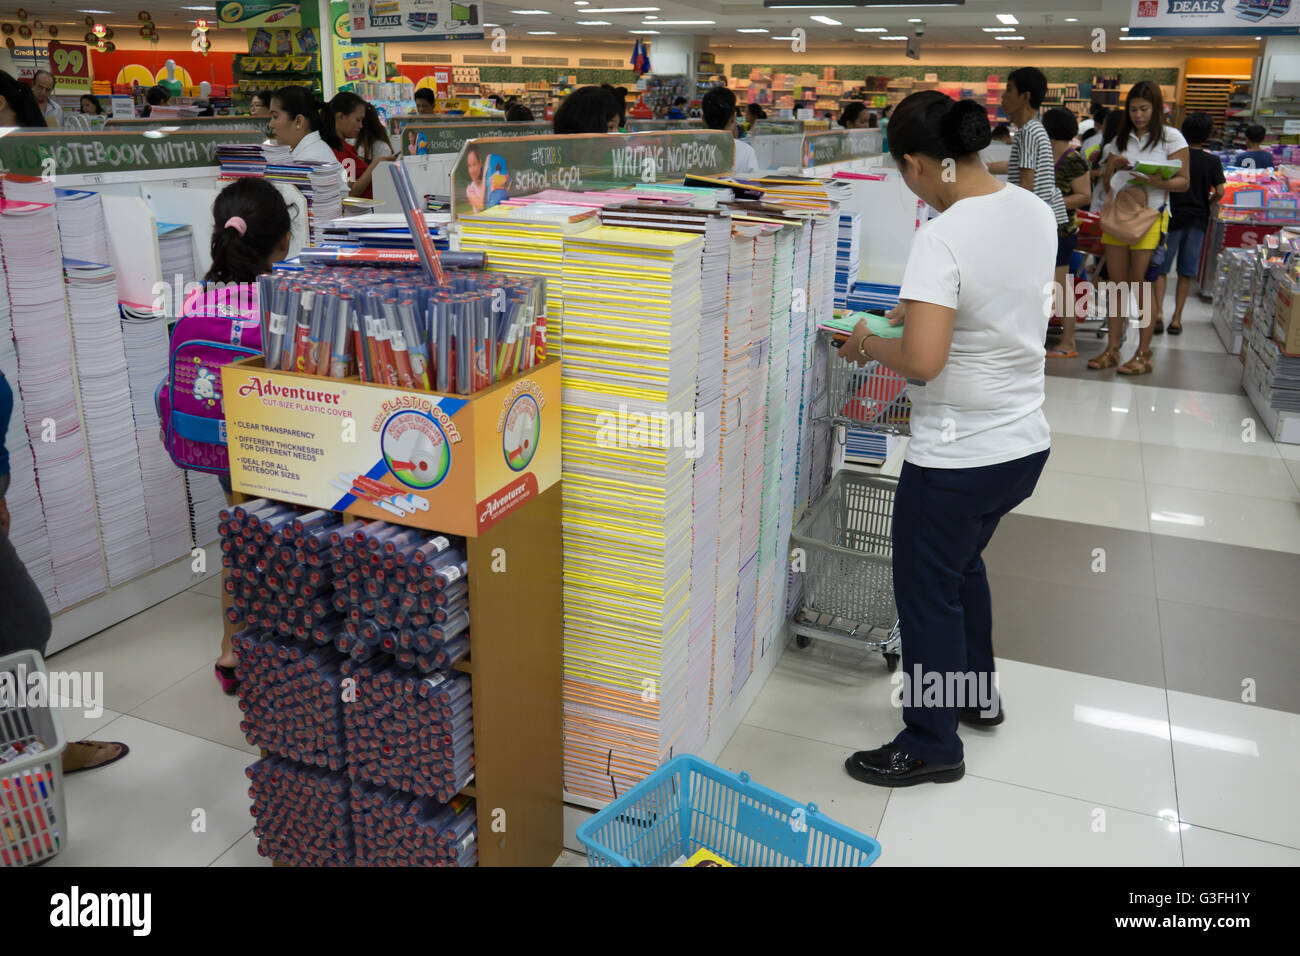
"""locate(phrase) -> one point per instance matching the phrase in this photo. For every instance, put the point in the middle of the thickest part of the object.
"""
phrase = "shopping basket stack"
(33, 821)
(689, 805)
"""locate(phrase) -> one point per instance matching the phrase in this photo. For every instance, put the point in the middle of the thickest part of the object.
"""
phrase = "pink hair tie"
(237, 223)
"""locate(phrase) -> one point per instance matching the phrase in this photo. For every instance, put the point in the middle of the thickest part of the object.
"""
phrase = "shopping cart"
(845, 538)
(33, 819)
(689, 804)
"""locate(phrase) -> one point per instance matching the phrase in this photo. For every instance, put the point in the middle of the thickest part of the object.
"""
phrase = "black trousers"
(943, 520)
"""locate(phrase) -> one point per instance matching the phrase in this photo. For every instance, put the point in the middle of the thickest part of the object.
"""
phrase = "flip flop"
(98, 743)
(1062, 353)
(1174, 329)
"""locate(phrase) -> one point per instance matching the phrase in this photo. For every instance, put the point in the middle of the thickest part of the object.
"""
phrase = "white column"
(326, 50)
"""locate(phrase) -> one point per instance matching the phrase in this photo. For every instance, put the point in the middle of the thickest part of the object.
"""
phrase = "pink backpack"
(217, 326)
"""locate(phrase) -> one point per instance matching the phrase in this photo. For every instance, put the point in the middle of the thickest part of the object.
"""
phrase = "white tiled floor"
(1085, 769)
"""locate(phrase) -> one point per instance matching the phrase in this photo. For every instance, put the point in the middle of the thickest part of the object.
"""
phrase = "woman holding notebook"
(974, 304)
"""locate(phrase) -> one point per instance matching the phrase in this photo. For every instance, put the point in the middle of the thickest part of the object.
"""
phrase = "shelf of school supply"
(513, 552)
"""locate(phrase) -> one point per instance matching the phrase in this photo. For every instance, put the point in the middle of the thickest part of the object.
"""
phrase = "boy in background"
(1032, 165)
(1255, 157)
(1189, 217)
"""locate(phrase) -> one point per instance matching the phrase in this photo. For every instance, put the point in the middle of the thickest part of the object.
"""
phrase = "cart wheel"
(891, 661)
(802, 640)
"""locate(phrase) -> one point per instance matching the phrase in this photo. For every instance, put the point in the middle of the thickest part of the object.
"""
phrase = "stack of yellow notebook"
(631, 344)
(529, 239)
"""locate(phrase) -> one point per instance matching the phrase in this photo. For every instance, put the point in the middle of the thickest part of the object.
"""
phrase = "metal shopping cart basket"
(689, 804)
(846, 535)
(33, 819)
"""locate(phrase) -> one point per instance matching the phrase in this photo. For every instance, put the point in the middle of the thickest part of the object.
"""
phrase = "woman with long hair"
(349, 119)
(973, 306)
(1143, 137)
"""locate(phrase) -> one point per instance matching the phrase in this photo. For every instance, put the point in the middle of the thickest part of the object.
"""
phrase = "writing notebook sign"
(432, 139)
(109, 152)
(490, 170)
(839, 146)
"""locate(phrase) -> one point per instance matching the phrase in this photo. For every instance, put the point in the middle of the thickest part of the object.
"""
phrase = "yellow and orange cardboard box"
(451, 463)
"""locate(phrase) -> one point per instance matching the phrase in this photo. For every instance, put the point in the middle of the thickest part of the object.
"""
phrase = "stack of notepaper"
(529, 239)
(145, 342)
(26, 515)
(82, 230)
(176, 252)
(731, 460)
(29, 239)
(871, 295)
(206, 499)
(631, 343)
(847, 254)
(105, 394)
(384, 231)
(704, 435)
(322, 184)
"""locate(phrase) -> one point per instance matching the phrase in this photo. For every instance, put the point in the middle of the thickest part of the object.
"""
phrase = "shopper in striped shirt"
(1032, 163)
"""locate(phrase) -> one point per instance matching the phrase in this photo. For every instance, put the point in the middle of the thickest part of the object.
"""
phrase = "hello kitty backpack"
(217, 326)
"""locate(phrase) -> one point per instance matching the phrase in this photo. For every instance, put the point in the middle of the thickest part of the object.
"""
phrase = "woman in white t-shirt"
(298, 120)
(976, 296)
(1143, 137)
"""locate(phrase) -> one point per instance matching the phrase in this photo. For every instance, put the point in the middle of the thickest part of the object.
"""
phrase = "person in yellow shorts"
(1143, 137)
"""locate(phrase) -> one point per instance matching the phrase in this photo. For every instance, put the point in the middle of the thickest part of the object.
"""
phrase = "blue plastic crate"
(689, 804)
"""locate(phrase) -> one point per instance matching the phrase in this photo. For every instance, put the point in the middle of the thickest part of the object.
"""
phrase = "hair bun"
(965, 128)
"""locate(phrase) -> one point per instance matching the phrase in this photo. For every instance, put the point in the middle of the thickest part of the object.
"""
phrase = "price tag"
(278, 323)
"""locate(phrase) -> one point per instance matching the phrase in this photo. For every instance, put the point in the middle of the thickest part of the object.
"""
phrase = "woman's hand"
(851, 351)
(897, 314)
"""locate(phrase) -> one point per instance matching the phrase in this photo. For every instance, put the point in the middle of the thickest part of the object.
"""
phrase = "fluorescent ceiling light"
(621, 10)
(871, 29)
(532, 13)
(1123, 29)
(829, 21)
(94, 11)
(580, 3)
(1135, 39)
(593, 23)
(1008, 38)
(893, 38)
(642, 31)
(1071, 19)
(783, 38)
(198, 8)
(915, 20)
(1007, 18)
(752, 30)
(682, 23)
(998, 29)
(541, 33)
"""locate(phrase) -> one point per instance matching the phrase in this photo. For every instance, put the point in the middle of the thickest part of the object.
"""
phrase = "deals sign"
(1190, 17)
(70, 65)
(452, 463)
(379, 20)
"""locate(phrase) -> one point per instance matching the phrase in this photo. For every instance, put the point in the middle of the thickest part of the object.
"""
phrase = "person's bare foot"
(88, 754)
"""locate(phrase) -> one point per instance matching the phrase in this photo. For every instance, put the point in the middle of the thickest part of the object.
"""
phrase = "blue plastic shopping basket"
(689, 804)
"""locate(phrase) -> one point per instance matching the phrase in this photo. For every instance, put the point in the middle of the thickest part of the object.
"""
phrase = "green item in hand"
(879, 325)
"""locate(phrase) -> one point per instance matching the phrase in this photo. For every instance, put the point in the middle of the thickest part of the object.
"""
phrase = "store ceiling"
(1042, 23)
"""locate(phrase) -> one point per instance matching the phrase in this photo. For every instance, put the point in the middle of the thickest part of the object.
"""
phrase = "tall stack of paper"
(765, 268)
(322, 184)
(29, 242)
(82, 230)
(206, 499)
(792, 250)
(847, 255)
(176, 252)
(26, 513)
(631, 343)
(529, 239)
(145, 342)
(110, 434)
(731, 457)
(704, 435)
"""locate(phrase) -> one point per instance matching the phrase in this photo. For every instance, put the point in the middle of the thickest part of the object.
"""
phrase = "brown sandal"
(1107, 359)
(102, 747)
(1139, 364)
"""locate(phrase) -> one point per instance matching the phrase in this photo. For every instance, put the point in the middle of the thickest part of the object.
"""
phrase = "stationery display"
(303, 814)
(847, 256)
(392, 328)
(176, 253)
(396, 829)
(322, 184)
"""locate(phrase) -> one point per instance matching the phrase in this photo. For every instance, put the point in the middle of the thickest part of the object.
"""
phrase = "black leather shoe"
(975, 716)
(888, 766)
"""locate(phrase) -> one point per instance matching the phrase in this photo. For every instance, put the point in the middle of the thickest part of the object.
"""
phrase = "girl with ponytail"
(974, 304)
(219, 324)
(18, 104)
